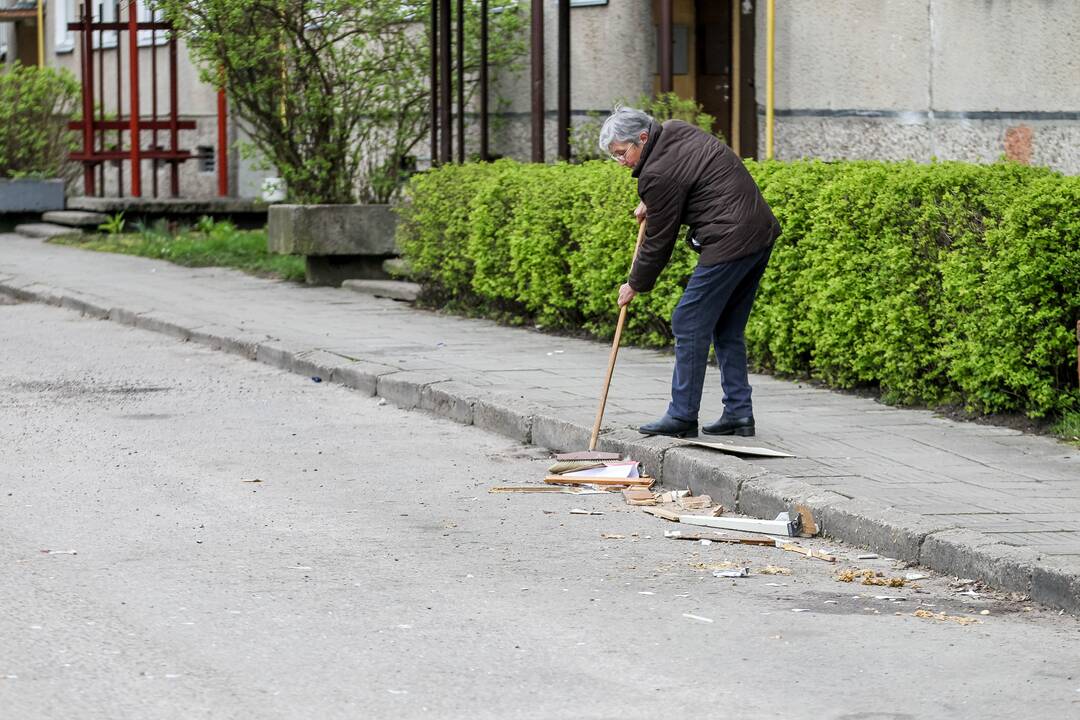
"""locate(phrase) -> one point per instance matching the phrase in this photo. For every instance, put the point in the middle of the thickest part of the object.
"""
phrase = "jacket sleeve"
(664, 199)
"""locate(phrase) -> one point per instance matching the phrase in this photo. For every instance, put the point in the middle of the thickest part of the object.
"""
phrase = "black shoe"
(671, 427)
(731, 426)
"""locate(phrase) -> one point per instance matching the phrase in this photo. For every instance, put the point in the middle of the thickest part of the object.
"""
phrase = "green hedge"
(937, 283)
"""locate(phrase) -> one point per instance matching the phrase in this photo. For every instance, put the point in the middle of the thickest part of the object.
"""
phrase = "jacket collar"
(654, 135)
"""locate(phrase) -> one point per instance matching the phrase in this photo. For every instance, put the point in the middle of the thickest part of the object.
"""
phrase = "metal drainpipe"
(41, 33)
(770, 72)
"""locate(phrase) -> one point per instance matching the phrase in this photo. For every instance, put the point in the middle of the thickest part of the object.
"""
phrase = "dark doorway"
(725, 83)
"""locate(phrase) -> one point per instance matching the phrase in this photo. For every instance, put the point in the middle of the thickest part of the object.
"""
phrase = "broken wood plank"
(662, 513)
(694, 502)
(809, 527)
(588, 455)
(544, 489)
(716, 537)
(782, 525)
(565, 480)
(638, 496)
(808, 552)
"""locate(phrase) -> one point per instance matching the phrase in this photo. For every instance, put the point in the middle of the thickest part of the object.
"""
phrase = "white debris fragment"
(688, 616)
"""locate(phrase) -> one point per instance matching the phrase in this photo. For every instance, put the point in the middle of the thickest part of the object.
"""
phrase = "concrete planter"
(31, 196)
(338, 242)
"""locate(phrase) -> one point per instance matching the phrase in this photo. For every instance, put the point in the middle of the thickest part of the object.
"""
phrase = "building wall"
(967, 80)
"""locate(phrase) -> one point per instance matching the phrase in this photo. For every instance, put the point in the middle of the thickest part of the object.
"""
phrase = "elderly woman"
(688, 177)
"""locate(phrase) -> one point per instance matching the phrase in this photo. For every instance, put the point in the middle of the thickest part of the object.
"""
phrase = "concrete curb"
(737, 484)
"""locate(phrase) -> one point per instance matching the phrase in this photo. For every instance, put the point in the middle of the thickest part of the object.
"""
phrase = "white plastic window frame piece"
(63, 12)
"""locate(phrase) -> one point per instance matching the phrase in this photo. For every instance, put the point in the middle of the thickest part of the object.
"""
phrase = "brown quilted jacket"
(688, 177)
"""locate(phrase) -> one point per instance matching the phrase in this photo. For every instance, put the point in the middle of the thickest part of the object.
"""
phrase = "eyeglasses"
(619, 157)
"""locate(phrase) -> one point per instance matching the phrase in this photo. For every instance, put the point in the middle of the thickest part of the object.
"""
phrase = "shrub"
(936, 283)
(36, 105)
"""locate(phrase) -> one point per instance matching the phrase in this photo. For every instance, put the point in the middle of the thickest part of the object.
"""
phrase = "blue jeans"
(713, 310)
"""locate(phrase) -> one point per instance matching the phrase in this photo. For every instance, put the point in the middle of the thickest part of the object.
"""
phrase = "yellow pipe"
(40, 33)
(770, 68)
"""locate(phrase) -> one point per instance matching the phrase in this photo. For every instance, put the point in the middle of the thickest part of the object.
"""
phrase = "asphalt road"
(184, 534)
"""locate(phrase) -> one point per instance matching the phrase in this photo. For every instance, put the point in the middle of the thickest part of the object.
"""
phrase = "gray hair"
(623, 125)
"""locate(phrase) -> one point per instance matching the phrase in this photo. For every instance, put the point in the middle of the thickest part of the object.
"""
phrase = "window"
(148, 14)
(63, 12)
(104, 12)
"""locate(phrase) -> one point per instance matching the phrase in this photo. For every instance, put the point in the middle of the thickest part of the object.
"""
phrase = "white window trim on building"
(63, 12)
(146, 14)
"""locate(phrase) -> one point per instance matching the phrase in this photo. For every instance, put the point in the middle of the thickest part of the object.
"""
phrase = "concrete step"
(75, 218)
(393, 289)
(44, 231)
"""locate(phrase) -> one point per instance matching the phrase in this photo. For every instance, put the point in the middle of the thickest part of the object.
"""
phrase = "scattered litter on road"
(775, 584)
(867, 556)
(959, 619)
(808, 552)
(645, 592)
(397, 692)
(915, 576)
(316, 378)
(671, 496)
(832, 602)
(715, 537)
(800, 609)
(738, 449)
(705, 541)
(252, 480)
(984, 612)
(60, 552)
(688, 616)
(869, 577)
(722, 565)
(891, 598)
(299, 567)
(579, 511)
(774, 570)
(611, 536)
(382, 401)
(741, 572)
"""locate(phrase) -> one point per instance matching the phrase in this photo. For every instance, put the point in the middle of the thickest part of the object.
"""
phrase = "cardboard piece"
(731, 448)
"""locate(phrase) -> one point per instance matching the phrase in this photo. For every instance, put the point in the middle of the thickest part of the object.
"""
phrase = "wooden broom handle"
(614, 352)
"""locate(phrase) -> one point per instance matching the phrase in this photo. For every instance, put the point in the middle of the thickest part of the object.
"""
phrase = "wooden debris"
(671, 496)
(716, 537)
(809, 527)
(717, 511)
(694, 502)
(545, 489)
(580, 511)
(608, 482)
(959, 619)
(808, 552)
(662, 513)
(588, 455)
(611, 536)
(638, 496)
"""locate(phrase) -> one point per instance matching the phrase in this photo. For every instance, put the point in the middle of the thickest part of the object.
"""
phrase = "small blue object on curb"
(316, 378)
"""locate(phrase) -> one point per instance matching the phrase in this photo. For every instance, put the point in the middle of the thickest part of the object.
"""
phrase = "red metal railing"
(94, 154)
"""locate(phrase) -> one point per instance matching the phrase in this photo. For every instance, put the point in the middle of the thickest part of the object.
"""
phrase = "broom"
(586, 459)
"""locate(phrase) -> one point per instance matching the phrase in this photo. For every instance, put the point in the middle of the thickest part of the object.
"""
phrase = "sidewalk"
(969, 500)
